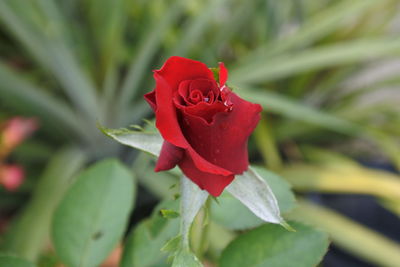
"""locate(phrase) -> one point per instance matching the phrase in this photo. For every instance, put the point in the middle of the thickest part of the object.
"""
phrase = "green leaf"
(343, 178)
(13, 261)
(146, 50)
(47, 45)
(196, 26)
(280, 104)
(349, 235)
(157, 183)
(22, 95)
(29, 234)
(185, 258)
(280, 187)
(145, 242)
(315, 58)
(148, 142)
(319, 25)
(256, 195)
(107, 21)
(271, 245)
(93, 215)
(173, 244)
(231, 213)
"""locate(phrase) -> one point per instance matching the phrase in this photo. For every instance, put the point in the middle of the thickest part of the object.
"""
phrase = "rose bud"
(11, 176)
(204, 124)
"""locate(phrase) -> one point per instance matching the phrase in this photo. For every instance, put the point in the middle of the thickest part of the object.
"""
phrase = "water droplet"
(217, 151)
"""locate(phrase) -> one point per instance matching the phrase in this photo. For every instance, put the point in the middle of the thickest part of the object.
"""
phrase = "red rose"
(205, 126)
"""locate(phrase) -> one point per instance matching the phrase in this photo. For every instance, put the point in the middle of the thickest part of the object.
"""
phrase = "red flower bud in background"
(11, 176)
(204, 124)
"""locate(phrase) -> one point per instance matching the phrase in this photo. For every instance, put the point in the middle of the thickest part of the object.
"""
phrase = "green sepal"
(215, 71)
(172, 245)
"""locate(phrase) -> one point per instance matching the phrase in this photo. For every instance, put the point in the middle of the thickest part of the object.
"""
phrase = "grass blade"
(53, 54)
(315, 58)
(273, 102)
(146, 51)
(26, 97)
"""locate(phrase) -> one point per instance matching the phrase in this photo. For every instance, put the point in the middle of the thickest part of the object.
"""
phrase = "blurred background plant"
(326, 73)
(13, 132)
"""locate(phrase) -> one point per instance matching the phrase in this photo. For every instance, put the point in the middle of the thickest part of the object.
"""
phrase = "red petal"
(177, 69)
(206, 166)
(183, 90)
(151, 99)
(204, 110)
(170, 156)
(166, 119)
(224, 142)
(213, 183)
(167, 124)
(223, 74)
(204, 85)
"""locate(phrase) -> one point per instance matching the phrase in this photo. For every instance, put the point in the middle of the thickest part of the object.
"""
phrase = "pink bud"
(11, 176)
(16, 130)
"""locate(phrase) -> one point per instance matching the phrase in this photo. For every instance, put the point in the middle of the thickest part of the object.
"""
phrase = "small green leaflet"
(257, 196)
(169, 214)
(150, 142)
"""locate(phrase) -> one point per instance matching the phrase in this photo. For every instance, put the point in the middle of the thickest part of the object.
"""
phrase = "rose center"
(196, 96)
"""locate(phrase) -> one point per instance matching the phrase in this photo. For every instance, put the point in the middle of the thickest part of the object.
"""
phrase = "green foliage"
(279, 104)
(144, 244)
(173, 244)
(184, 258)
(375, 248)
(316, 58)
(226, 210)
(272, 245)
(148, 142)
(13, 261)
(255, 193)
(28, 236)
(104, 193)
